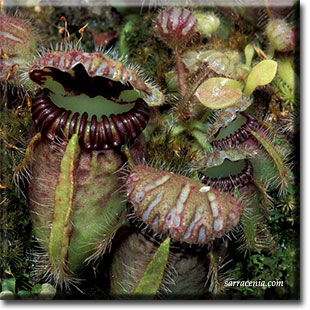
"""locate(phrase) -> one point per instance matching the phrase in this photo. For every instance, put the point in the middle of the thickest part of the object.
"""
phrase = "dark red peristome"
(240, 136)
(55, 122)
(227, 184)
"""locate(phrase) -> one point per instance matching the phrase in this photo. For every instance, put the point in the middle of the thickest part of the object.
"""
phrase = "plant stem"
(195, 124)
(206, 116)
(201, 139)
(129, 158)
(181, 72)
(176, 130)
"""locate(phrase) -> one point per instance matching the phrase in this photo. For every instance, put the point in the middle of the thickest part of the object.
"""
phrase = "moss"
(15, 223)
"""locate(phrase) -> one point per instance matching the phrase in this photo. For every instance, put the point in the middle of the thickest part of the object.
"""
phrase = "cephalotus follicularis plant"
(198, 183)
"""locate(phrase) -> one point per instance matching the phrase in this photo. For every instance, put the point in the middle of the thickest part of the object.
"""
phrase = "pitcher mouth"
(91, 95)
(110, 132)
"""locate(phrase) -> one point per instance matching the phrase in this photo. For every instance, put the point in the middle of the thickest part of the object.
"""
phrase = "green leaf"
(36, 289)
(7, 295)
(278, 159)
(8, 284)
(219, 93)
(48, 291)
(261, 74)
(152, 277)
(249, 53)
(62, 225)
(250, 222)
(23, 294)
(207, 23)
(201, 139)
(286, 72)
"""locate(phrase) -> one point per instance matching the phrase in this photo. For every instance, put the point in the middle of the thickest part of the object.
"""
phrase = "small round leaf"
(219, 93)
(261, 74)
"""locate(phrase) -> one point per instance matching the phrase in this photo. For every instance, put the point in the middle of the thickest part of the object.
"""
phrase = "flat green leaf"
(48, 291)
(219, 93)
(7, 295)
(8, 284)
(261, 74)
(152, 277)
(286, 72)
(23, 294)
(36, 289)
(249, 53)
(62, 225)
